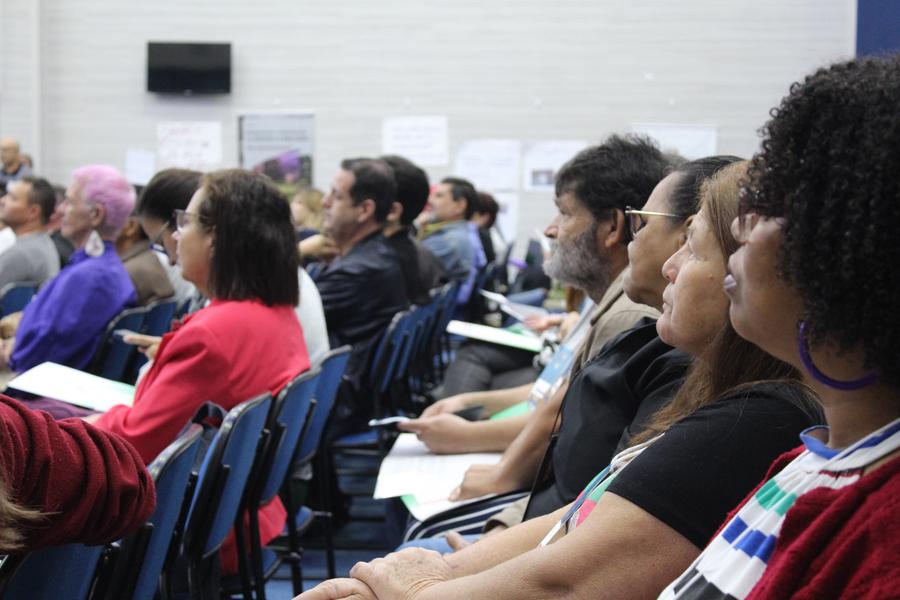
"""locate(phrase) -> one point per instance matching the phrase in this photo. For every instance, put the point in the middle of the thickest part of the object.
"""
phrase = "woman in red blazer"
(236, 244)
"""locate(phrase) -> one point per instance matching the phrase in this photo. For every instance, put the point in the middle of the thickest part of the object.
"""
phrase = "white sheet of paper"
(423, 139)
(189, 144)
(140, 165)
(543, 159)
(426, 510)
(491, 165)
(691, 141)
(495, 335)
(411, 468)
(59, 382)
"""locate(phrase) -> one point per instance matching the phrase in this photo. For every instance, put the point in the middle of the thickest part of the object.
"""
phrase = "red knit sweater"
(91, 485)
(841, 543)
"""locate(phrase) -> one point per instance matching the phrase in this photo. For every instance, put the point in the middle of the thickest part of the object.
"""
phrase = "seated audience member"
(815, 283)
(151, 282)
(66, 481)
(65, 321)
(168, 191)
(64, 247)
(12, 167)
(237, 245)
(448, 236)
(484, 217)
(645, 517)
(363, 288)
(422, 270)
(588, 251)
(307, 212)
(631, 377)
(26, 208)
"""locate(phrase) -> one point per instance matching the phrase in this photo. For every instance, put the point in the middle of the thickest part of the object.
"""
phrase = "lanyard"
(618, 462)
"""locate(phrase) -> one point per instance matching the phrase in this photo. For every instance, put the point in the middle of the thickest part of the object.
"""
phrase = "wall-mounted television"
(188, 68)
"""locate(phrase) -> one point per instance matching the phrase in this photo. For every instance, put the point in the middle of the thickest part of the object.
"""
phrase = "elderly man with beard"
(588, 240)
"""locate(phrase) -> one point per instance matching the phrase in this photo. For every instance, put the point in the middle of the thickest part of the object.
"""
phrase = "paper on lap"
(411, 469)
(495, 335)
(425, 510)
(59, 382)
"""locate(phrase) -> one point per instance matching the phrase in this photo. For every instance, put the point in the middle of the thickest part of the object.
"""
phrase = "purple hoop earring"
(812, 369)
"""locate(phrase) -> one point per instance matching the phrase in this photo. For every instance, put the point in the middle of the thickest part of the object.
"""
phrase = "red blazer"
(225, 353)
(91, 486)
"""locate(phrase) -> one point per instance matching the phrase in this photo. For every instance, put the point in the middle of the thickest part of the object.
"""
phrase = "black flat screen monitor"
(188, 68)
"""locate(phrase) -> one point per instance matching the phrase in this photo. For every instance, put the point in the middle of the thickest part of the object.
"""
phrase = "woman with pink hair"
(66, 319)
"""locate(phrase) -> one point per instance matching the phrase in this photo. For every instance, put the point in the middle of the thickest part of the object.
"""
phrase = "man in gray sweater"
(26, 208)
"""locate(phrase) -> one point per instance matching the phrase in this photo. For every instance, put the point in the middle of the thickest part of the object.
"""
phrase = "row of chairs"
(114, 359)
(197, 508)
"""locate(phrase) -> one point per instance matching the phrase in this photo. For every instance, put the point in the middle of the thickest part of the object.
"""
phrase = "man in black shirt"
(421, 268)
(363, 287)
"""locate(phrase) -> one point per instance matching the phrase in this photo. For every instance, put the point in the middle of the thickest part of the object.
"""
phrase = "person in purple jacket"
(66, 319)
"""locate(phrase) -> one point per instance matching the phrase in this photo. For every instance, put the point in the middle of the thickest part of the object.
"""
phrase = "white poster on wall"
(423, 140)
(543, 159)
(189, 144)
(690, 141)
(279, 144)
(508, 217)
(492, 165)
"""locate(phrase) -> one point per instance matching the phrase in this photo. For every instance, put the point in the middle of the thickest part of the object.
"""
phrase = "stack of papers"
(425, 479)
(51, 380)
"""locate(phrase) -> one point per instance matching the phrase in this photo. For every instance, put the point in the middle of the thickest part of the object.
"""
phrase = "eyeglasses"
(182, 219)
(637, 218)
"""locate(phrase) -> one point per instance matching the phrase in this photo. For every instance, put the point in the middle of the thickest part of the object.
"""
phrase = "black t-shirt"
(706, 463)
(632, 376)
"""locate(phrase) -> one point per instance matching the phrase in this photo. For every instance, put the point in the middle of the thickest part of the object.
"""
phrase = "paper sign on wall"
(690, 141)
(492, 165)
(189, 144)
(422, 140)
(543, 159)
(278, 144)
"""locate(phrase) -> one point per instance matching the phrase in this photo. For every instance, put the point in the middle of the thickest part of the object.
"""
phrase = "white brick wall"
(484, 64)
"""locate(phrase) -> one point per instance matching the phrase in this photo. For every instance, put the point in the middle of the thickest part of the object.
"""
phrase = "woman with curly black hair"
(816, 284)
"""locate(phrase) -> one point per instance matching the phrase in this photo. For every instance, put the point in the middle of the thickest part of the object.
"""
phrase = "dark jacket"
(361, 292)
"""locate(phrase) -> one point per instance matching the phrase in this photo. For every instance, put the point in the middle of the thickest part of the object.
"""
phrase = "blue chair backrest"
(215, 504)
(114, 356)
(290, 410)
(171, 471)
(159, 317)
(332, 370)
(15, 296)
(157, 322)
(385, 346)
(399, 339)
(57, 572)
